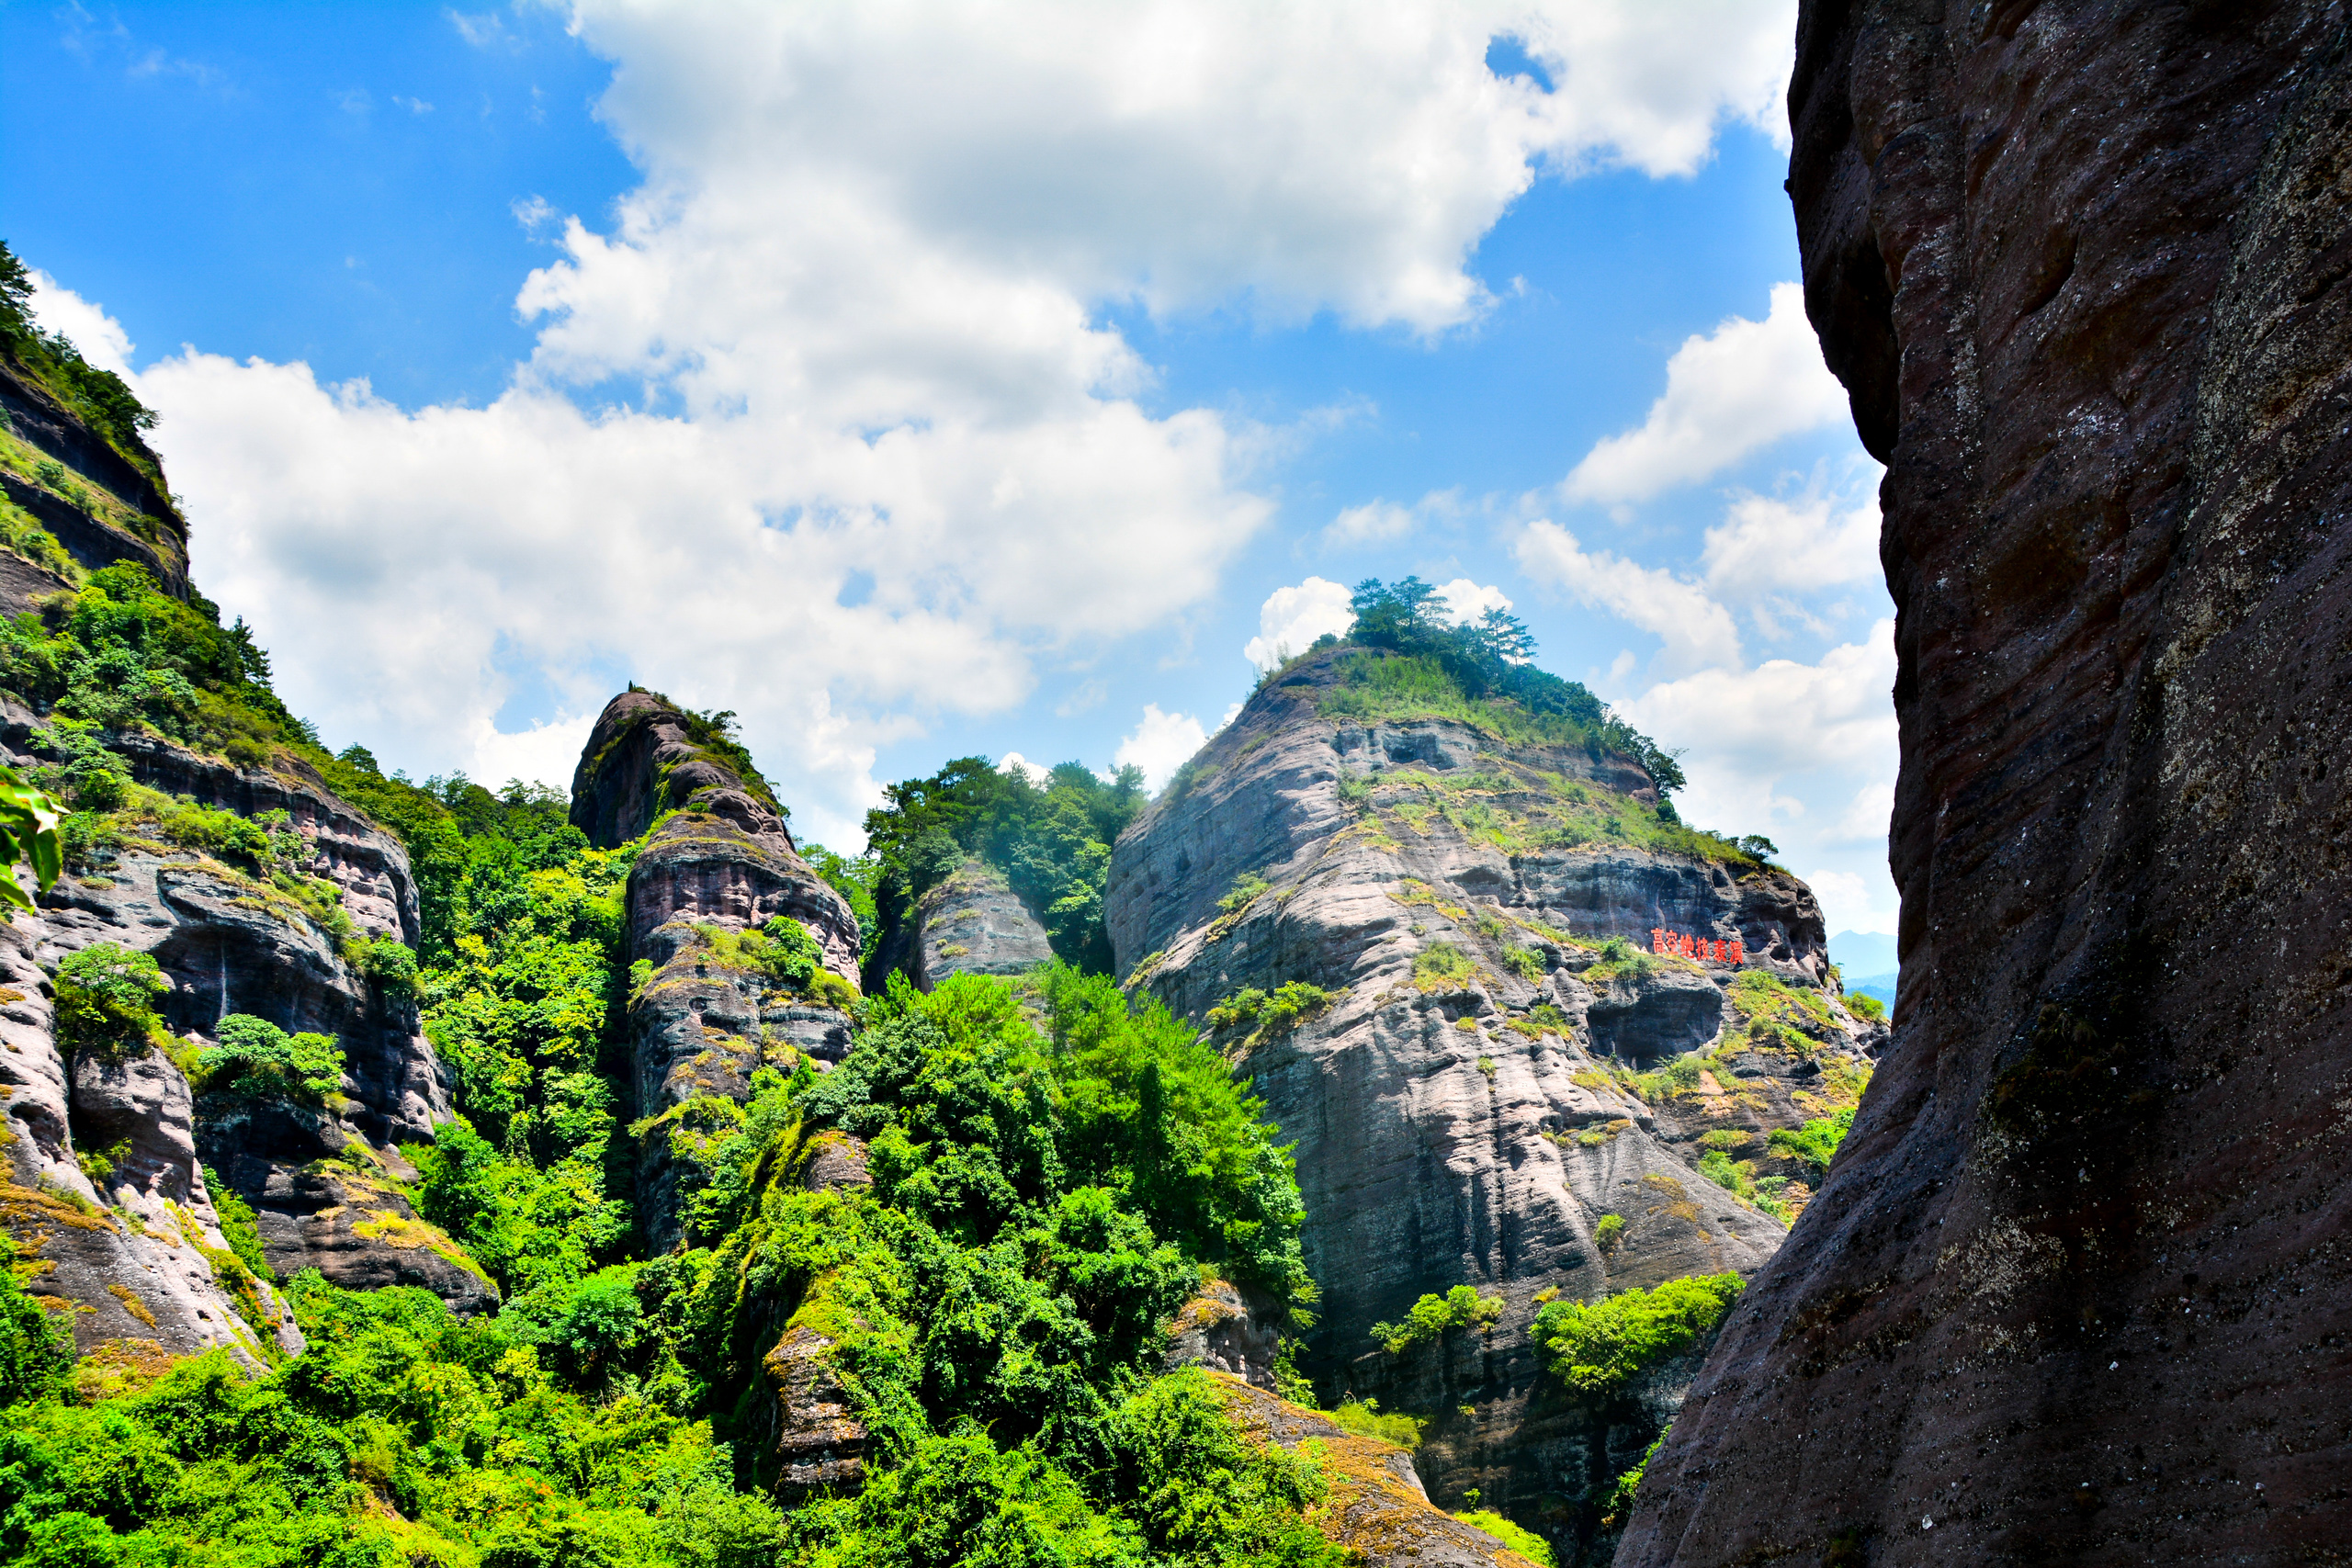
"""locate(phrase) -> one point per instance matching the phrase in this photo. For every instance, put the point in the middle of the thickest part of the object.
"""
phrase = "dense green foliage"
(524, 1011)
(1594, 1349)
(1815, 1143)
(1043, 1200)
(120, 652)
(1519, 1538)
(1433, 1317)
(36, 1349)
(256, 1058)
(103, 400)
(1482, 670)
(106, 1000)
(1052, 843)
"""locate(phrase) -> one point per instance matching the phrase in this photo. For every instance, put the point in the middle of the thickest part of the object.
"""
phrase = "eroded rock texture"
(972, 923)
(96, 507)
(721, 863)
(322, 1180)
(1476, 1129)
(2076, 1290)
(1377, 1504)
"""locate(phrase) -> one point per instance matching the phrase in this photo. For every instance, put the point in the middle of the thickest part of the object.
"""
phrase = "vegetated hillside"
(1410, 892)
(978, 870)
(404, 1173)
(2077, 1292)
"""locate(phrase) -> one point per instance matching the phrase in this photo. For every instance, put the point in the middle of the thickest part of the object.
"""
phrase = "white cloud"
(545, 753)
(1850, 902)
(1375, 523)
(1782, 716)
(1384, 522)
(1466, 601)
(1022, 768)
(1865, 821)
(98, 335)
(1748, 384)
(1160, 744)
(856, 314)
(1696, 630)
(1308, 156)
(1775, 749)
(1291, 618)
(1817, 538)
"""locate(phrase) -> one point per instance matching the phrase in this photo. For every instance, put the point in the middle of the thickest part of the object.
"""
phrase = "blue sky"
(917, 391)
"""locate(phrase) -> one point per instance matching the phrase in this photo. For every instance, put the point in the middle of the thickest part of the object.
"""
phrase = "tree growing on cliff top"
(1493, 657)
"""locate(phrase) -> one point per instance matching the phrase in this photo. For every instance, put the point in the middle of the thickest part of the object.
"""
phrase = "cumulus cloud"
(1798, 543)
(1695, 629)
(98, 335)
(1022, 768)
(853, 322)
(1466, 600)
(1160, 744)
(1384, 522)
(1291, 618)
(1782, 716)
(1745, 385)
(1758, 745)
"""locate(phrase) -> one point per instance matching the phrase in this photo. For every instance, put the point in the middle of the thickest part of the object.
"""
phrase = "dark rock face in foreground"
(2077, 1289)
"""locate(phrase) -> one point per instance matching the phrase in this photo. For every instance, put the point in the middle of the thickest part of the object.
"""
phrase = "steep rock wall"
(1447, 1131)
(972, 923)
(322, 1180)
(97, 510)
(2076, 1290)
(721, 860)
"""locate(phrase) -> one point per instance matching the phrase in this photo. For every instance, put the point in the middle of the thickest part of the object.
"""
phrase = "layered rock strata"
(971, 923)
(79, 503)
(1464, 1104)
(718, 860)
(124, 1142)
(2076, 1289)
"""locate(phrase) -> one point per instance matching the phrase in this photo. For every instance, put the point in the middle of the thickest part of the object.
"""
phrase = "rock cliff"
(71, 503)
(717, 861)
(1467, 1093)
(2076, 1289)
(322, 1180)
(972, 923)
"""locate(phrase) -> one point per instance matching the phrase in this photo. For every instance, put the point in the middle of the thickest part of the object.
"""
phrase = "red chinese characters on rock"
(1703, 949)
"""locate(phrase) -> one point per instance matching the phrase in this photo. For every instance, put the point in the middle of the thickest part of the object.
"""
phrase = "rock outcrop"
(1377, 1504)
(971, 923)
(124, 1142)
(1465, 1100)
(718, 862)
(1228, 1330)
(2076, 1290)
(75, 502)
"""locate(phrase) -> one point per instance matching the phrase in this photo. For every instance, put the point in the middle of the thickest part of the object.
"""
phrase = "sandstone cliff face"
(2076, 1290)
(321, 1180)
(1461, 1107)
(973, 923)
(701, 1024)
(94, 507)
